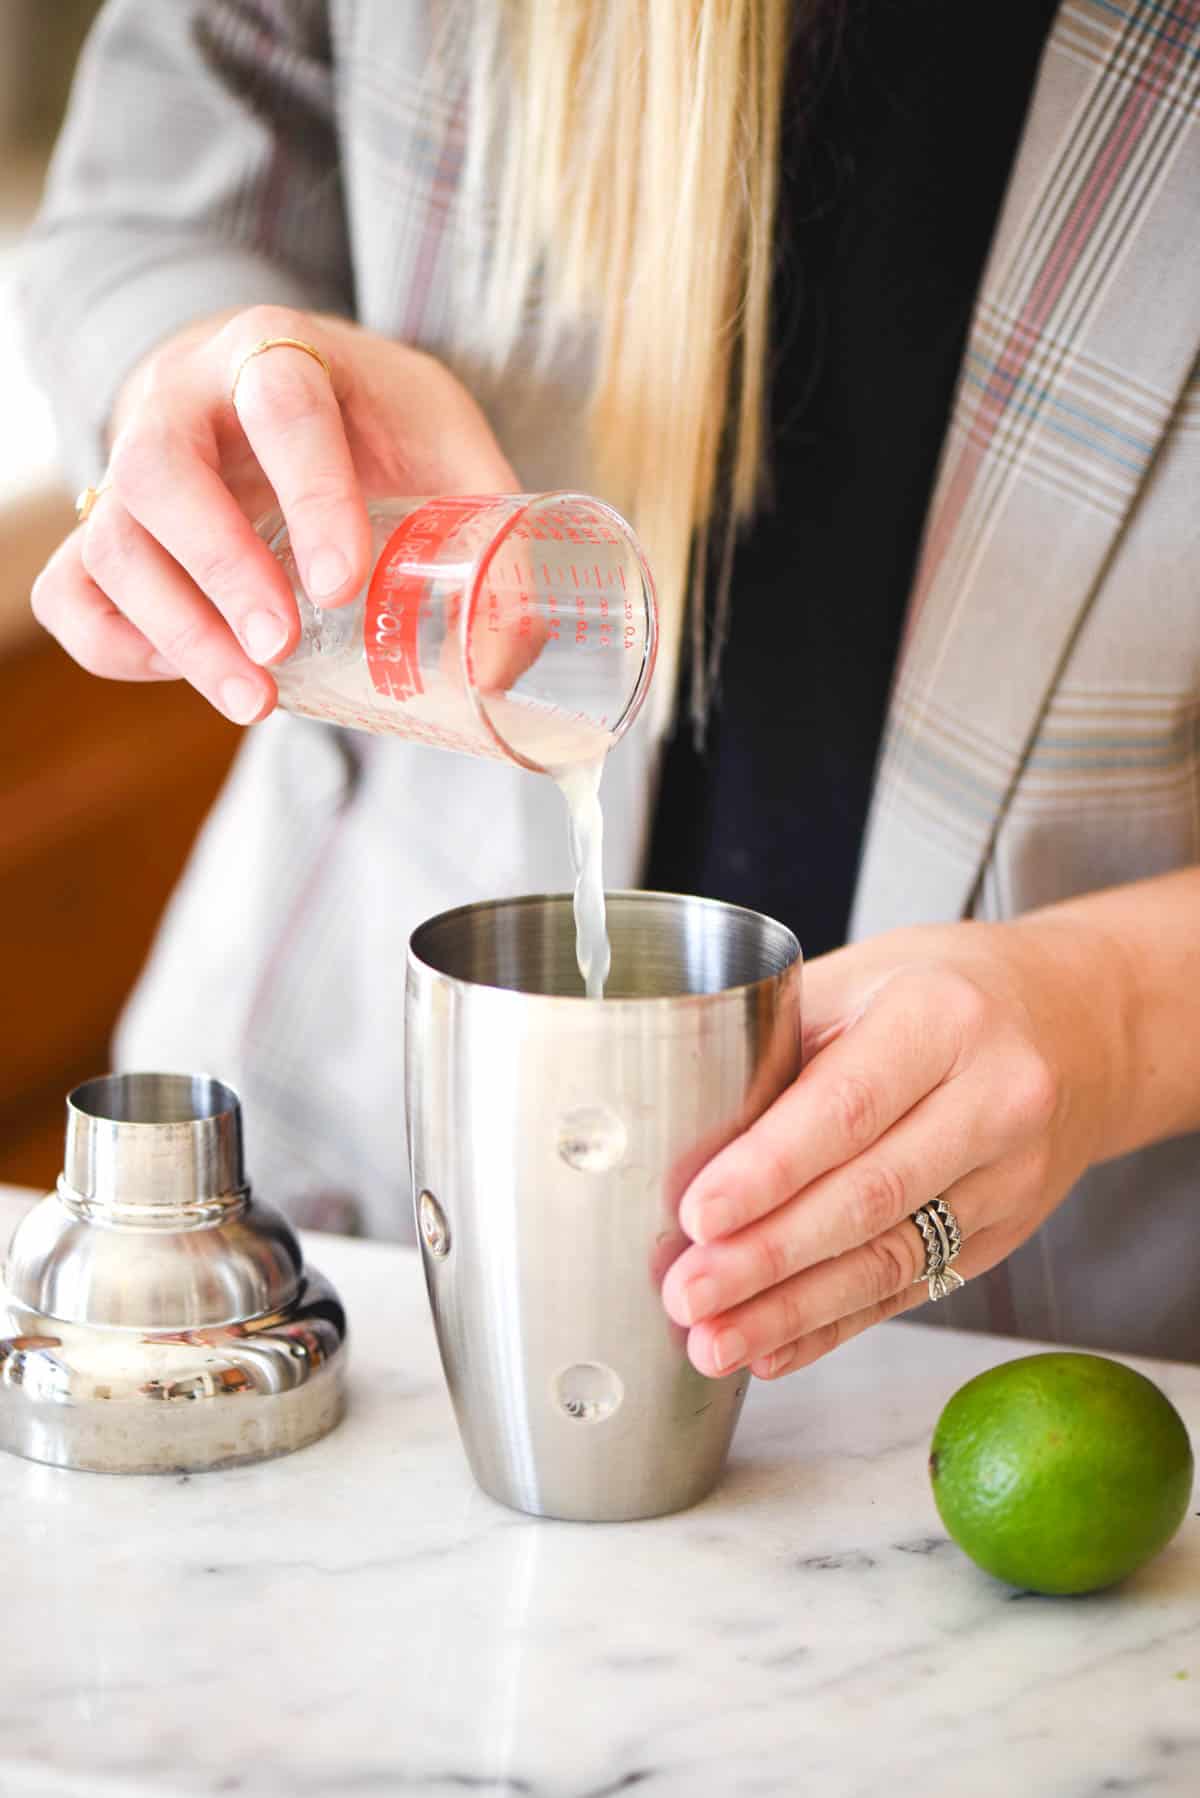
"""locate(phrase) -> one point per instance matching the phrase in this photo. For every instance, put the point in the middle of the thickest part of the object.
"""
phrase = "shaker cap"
(155, 1315)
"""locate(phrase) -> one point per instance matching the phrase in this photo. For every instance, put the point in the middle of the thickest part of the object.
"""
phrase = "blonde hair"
(641, 142)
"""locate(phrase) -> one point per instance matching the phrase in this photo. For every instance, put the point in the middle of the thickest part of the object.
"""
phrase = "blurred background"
(102, 786)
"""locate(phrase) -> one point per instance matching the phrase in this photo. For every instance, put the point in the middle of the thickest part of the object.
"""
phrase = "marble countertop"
(357, 1621)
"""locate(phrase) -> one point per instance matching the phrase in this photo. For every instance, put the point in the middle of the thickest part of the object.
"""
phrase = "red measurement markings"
(606, 636)
(571, 524)
(630, 627)
(553, 620)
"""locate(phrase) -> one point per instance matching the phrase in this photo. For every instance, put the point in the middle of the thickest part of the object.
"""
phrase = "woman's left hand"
(980, 1061)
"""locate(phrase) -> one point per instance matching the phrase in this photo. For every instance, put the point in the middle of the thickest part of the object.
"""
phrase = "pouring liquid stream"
(573, 753)
(580, 787)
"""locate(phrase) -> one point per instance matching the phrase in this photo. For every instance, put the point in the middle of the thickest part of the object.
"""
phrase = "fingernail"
(241, 700)
(728, 1349)
(160, 665)
(699, 1298)
(327, 572)
(264, 634)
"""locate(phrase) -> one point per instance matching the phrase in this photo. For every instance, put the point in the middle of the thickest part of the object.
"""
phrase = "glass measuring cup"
(519, 626)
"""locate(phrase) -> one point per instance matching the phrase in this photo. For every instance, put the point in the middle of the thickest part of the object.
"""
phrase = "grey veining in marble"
(356, 1621)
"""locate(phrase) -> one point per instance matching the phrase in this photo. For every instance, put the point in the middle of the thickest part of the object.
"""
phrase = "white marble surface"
(357, 1621)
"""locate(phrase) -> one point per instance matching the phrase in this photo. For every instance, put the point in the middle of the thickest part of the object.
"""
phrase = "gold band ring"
(276, 343)
(86, 502)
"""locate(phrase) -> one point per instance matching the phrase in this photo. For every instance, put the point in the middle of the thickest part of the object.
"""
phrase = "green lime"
(1061, 1472)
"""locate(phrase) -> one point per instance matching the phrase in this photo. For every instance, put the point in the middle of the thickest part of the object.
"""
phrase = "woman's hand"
(168, 578)
(983, 1061)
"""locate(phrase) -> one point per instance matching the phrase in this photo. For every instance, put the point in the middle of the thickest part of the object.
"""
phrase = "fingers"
(171, 535)
(932, 1079)
(814, 1307)
(288, 408)
(163, 627)
(68, 604)
(905, 1043)
(934, 1145)
(165, 469)
(170, 612)
(164, 479)
(989, 1247)
(168, 546)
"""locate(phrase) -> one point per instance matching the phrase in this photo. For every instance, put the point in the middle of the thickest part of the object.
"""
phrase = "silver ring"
(942, 1237)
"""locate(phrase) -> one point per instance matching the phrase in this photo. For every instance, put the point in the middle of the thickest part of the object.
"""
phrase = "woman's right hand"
(167, 578)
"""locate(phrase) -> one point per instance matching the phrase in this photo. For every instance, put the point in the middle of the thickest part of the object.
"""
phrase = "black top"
(893, 175)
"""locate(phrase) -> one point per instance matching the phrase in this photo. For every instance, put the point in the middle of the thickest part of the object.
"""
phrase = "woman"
(491, 245)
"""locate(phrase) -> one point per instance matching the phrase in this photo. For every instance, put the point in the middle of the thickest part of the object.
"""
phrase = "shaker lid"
(150, 1294)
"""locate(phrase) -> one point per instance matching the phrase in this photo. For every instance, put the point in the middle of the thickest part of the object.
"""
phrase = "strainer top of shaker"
(154, 1140)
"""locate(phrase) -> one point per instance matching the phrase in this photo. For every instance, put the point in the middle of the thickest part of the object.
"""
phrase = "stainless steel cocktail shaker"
(155, 1317)
(552, 1137)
